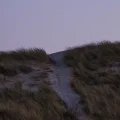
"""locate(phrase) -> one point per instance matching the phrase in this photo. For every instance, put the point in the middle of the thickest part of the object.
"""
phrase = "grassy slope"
(24, 54)
(18, 104)
(10, 61)
(96, 76)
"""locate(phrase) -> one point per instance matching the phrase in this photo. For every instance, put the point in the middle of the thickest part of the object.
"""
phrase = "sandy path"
(62, 85)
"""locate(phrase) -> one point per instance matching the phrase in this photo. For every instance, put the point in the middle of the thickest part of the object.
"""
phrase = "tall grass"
(11, 62)
(18, 104)
(24, 54)
(97, 78)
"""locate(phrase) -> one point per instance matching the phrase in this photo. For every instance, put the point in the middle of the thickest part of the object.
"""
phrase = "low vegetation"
(20, 61)
(18, 104)
(96, 77)
(24, 55)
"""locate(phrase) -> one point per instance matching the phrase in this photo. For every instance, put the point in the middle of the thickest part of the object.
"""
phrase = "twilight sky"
(56, 24)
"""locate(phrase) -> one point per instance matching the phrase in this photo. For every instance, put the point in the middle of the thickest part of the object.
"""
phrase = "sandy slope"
(62, 85)
(28, 80)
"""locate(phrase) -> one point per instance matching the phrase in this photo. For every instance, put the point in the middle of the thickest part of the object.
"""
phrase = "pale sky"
(55, 25)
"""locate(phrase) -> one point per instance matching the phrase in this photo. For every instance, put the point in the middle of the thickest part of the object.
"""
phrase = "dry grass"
(17, 104)
(42, 76)
(96, 76)
(22, 60)
(8, 71)
(24, 54)
(12, 61)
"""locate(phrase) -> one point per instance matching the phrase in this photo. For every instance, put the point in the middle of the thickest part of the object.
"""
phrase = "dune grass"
(24, 54)
(18, 104)
(96, 77)
(20, 60)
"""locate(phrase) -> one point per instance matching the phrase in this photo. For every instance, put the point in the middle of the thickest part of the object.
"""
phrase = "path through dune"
(62, 85)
